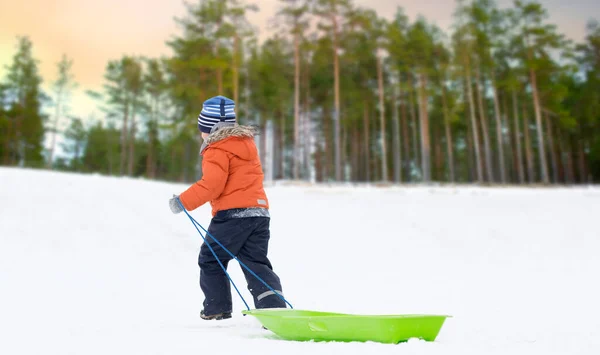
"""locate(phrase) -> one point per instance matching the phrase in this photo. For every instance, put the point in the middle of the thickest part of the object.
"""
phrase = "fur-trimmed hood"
(243, 148)
(231, 131)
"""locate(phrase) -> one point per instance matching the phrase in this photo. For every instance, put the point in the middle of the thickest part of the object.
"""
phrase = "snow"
(97, 265)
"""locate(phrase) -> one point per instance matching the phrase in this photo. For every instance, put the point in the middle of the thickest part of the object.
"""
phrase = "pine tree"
(295, 13)
(378, 31)
(585, 102)
(333, 13)
(75, 136)
(535, 38)
(5, 137)
(134, 86)
(422, 43)
(442, 69)
(400, 59)
(155, 85)
(238, 29)
(124, 88)
(272, 88)
(487, 23)
(463, 42)
(23, 145)
(63, 86)
(101, 149)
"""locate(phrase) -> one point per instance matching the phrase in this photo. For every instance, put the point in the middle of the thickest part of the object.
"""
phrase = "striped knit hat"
(214, 110)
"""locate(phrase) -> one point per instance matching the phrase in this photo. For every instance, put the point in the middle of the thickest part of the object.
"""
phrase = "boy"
(232, 182)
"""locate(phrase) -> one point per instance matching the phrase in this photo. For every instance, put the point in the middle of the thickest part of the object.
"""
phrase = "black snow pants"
(248, 239)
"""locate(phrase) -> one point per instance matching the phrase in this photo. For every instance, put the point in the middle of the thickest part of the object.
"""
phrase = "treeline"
(342, 94)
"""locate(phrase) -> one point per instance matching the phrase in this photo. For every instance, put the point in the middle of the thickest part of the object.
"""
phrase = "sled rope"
(196, 225)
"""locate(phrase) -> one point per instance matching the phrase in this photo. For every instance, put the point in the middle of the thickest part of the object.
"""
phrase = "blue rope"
(196, 225)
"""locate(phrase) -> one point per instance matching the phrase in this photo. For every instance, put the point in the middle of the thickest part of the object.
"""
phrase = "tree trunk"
(131, 159)
(509, 139)
(276, 151)
(499, 134)
(307, 123)
(367, 132)
(281, 161)
(297, 107)
(474, 129)
(201, 76)
(109, 141)
(448, 131)
(375, 167)
(19, 144)
(149, 157)
(150, 170)
(570, 174)
(154, 145)
(528, 150)
(414, 126)
(319, 162)
(6, 157)
(425, 144)
(519, 150)
(405, 135)
(54, 130)
(438, 174)
(344, 151)
(573, 140)
(263, 146)
(234, 67)
(558, 148)
(328, 162)
(396, 142)
(484, 128)
(355, 149)
(219, 69)
(124, 141)
(76, 158)
(553, 159)
(305, 147)
(540, 135)
(384, 166)
(337, 116)
(471, 165)
(561, 156)
(582, 168)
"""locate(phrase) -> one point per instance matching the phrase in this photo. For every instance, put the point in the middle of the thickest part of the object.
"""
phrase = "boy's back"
(232, 173)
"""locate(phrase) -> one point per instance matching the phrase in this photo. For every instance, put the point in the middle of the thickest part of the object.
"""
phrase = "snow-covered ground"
(96, 265)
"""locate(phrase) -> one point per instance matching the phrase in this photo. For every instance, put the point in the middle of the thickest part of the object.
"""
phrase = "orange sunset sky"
(93, 32)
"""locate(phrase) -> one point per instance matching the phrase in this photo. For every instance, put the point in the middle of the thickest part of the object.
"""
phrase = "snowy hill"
(96, 265)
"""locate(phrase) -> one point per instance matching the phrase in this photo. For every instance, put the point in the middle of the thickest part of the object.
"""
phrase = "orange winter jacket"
(232, 175)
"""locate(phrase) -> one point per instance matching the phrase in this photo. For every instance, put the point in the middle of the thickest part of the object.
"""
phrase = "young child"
(232, 182)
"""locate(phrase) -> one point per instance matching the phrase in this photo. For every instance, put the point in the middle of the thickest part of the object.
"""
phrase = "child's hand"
(175, 204)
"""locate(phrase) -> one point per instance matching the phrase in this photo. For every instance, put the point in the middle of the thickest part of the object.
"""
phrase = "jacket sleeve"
(215, 169)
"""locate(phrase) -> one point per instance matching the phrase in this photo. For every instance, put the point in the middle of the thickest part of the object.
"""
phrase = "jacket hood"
(231, 131)
(243, 148)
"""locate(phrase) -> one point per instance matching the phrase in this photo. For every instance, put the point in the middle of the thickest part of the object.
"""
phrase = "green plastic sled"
(299, 325)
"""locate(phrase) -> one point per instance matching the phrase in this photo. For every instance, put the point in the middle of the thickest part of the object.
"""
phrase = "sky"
(94, 32)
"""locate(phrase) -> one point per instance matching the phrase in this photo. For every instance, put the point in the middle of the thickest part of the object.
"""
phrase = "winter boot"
(219, 316)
